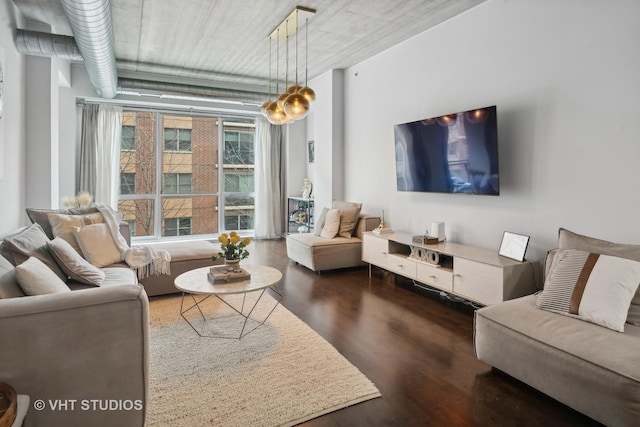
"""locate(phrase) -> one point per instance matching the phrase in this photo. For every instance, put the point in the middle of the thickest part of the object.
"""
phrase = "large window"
(186, 175)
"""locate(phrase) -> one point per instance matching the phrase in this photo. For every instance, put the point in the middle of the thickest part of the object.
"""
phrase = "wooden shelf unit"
(475, 274)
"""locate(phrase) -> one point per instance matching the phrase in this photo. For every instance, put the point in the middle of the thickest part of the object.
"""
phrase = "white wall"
(12, 124)
(564, 76)
(325, 127)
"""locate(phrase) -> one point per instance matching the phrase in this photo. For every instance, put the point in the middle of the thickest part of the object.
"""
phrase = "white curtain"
(108, 164)
(269, 202)
(100, 153)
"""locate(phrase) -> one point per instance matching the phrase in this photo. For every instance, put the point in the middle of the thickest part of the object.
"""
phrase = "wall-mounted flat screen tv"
(454, 153)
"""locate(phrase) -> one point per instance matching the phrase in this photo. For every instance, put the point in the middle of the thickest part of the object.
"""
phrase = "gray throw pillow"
(9, 287)
(35, 278)
(31, 242)
(76, 267)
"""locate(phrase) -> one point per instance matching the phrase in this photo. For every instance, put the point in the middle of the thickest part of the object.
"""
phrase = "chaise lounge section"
(319, 254)
(591, 368)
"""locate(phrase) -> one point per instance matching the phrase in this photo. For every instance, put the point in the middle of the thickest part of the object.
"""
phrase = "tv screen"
(454, 153)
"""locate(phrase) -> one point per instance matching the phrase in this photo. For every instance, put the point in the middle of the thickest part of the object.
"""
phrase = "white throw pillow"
(76, 267)
(596, 288)
(61, 225)
(35, 278)
(97, 245)
(331, 224)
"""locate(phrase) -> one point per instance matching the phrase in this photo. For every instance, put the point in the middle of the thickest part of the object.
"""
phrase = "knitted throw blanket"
(145, 260)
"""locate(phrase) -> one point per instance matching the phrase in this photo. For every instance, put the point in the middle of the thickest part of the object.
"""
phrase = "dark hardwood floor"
(417, 348)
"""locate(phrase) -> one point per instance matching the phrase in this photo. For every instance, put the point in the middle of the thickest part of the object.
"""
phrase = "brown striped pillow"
(596, 288)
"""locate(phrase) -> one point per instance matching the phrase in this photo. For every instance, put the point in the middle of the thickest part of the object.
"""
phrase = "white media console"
(475, 274)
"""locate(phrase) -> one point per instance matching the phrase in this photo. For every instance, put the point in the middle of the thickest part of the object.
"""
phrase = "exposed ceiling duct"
(45, 44)
(90, 22)
(183, 91)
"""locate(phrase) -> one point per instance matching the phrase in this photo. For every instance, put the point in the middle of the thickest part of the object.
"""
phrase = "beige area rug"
(281, 373)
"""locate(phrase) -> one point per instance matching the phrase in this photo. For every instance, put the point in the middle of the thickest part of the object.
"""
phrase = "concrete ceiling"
(226, 41)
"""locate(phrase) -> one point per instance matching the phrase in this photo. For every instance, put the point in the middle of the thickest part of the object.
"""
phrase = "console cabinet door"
(479, 282)
(375, 250)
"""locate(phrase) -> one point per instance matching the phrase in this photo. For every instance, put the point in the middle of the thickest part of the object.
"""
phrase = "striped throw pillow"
(596, 288)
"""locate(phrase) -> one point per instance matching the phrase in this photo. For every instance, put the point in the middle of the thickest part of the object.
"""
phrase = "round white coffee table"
(197, 286)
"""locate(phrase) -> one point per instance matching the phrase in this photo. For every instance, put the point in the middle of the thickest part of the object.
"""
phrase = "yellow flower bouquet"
(233, 247)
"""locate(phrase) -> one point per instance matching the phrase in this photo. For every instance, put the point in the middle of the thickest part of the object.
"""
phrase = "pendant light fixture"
(276, 115)
(293, 103)
(296, 106)
(306, 91)
(266, 103)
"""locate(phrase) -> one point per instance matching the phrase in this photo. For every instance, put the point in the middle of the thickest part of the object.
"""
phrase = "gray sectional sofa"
(90, 343)
(591, 368)
(87, 346)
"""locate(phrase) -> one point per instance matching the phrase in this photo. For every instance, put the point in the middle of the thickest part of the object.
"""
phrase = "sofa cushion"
(76, 267)
(331, 224)
(570, 240)
(97, 244)
(61, 225)
(593, 287)
(36, 278)
(31, 241)
(189, 250)
(9, 287)
(41, 216)
(113, 276)
(349, 213)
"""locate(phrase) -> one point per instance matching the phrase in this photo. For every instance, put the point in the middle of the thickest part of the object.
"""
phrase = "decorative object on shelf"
(437, 230)
(293, 103)
(382, 228)
(232, 248)
(307, 188)
(513, 246)
(80, 200)
(425, 240)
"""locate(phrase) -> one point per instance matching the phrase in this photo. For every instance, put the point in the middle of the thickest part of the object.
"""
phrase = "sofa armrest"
(77, 348)
(366, 223)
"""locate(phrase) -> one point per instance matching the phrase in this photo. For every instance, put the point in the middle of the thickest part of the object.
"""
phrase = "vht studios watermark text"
(88, 405)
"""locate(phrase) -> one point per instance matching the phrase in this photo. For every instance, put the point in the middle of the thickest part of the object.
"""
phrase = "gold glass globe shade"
(281, 100)
(308, 93)
(275, 115)
(294, 89)
(264, 107)
(296, 106)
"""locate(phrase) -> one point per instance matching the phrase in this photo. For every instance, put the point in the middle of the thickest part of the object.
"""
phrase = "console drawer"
(434, 276)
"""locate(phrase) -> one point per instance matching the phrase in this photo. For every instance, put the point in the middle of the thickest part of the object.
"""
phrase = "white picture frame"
(513, 246)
